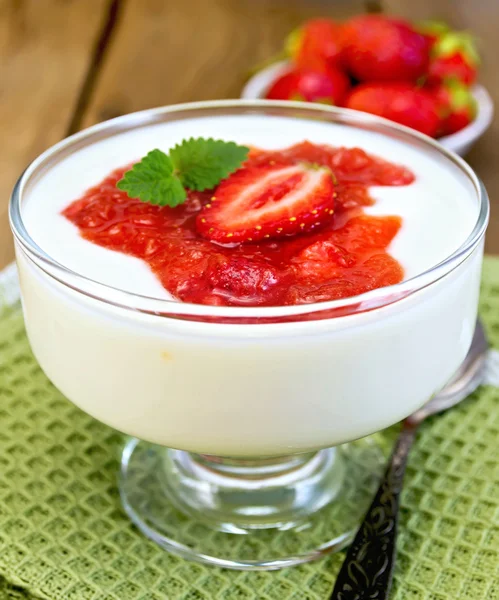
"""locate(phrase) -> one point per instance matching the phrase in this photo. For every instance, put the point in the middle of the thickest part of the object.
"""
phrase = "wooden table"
(68, 64)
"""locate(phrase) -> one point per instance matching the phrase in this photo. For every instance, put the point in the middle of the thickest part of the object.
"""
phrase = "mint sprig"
(197, 164)
(153, 180)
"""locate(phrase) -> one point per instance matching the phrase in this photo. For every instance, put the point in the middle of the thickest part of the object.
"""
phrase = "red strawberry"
(377, 48)
(315, 44)
(268, 201)
(399, 102)
(454, 56)
(329, 86)
(458, 107)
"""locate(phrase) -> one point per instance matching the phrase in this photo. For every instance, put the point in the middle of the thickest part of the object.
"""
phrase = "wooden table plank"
(482, 18)
(45, 48)
(169, 52)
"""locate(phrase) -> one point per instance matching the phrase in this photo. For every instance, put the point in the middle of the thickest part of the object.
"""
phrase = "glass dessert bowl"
(247, 415)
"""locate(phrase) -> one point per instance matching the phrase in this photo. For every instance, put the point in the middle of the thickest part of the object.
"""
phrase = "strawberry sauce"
(345, 257)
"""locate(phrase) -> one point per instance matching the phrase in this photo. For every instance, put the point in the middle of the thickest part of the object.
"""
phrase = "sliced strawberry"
(261, 202)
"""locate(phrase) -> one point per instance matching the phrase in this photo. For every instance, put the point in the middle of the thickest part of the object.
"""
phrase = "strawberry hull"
(448, 68)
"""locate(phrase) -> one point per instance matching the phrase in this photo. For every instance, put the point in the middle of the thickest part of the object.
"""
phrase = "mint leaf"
(202, 163)
(152, 180)
(197, 164)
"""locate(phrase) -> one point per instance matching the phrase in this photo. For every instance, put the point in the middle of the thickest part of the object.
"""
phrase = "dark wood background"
(66, 64)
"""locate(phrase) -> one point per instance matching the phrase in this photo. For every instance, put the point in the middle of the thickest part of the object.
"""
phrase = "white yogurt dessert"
(437, 205)
(188, 376)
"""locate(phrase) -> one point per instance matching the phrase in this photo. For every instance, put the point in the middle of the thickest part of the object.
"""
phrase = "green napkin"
(64, 535)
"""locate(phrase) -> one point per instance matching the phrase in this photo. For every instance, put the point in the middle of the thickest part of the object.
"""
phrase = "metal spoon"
(368, 567)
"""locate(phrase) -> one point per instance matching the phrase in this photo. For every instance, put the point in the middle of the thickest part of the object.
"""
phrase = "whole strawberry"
(328, 86)
(458, 106)
(315, 44)
(400, 102)
(377, 48)
(454, 56)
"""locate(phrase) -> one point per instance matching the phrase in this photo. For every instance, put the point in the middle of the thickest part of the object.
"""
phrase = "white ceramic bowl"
(460, 142)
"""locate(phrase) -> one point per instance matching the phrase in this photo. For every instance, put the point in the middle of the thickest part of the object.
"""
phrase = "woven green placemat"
(64, 535)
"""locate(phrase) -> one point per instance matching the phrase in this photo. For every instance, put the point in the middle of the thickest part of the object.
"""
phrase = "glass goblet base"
(261, 514)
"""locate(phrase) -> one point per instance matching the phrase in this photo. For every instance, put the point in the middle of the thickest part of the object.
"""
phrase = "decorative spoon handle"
(368, 567)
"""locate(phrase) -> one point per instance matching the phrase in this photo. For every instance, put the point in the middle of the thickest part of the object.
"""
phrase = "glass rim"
(370, 300)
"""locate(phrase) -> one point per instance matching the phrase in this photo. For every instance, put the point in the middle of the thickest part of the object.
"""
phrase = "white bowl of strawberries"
(420, 76)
